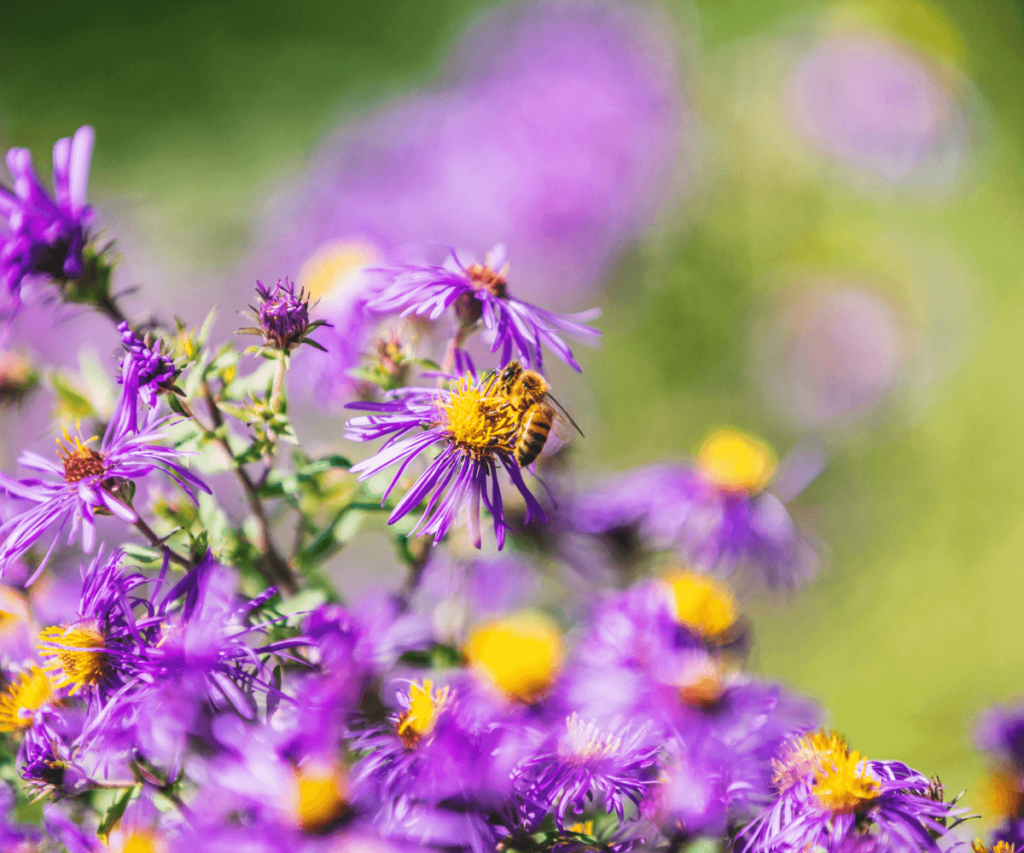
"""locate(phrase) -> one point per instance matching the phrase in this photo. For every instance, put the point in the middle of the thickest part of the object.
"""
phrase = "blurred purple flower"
(717, 514)
(45, 234)
(832, 355)
(873, 104)
(582, 759)
(555, 132)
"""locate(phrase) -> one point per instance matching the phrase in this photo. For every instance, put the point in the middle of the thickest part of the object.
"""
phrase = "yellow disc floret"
(520, 654)
(141, 841)
(478, 421)
(79, 649)
(320, 796)
(419, 718)
(1002, 794)
(702, 604)
(736, 462)
(80, 460)
(332, 266)
(23, 698)
(841, 781)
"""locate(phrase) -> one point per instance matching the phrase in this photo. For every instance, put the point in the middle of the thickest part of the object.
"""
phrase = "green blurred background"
(916, 623)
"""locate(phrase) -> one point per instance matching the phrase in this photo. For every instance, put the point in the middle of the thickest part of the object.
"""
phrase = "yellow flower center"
(585, 828)
(13, 609)
(23, 698)
(480, 423)
(333, 265)
(484, 278)
(978, 846)
(320, 796)
(424, 706)
(735, 462)
(841, 781)
(79, 460)
(704, 605)
(79, 651)
(1002, 794)
(142, 842)
(520, 654)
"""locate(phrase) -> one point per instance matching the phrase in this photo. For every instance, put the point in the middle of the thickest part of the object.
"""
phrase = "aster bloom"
(436, 770)
(86, 481)
(829, 795)
(1000, 733)
(520, 654)
(718, 514)
(145, 370)
(283, 317)
(582, 760)
(45, 234)
(478, 293)
(25, 695)
(475, 430)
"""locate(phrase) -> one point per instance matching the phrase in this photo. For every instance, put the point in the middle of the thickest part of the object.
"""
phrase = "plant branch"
(157, 542)
(279, 572)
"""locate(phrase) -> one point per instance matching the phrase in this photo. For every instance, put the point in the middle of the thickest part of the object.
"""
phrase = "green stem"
(278, 571)
(156, 542)
(277, 391)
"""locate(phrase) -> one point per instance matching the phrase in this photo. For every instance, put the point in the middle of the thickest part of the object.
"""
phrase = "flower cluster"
(46, 234)
(200, 686)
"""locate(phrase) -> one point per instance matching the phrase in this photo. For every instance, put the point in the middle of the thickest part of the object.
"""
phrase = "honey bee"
(527, 392)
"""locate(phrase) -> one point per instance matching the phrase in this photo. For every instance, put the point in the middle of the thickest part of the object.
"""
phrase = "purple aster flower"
(15, 837)
(1000, 733)
(582, 759)
(475, 430)
(556, 128)
(145, 370)
(828, 794)
(478, 293)
(438, 770)
(45, 234)
(283, 317)
(717, 514)
(87, 482)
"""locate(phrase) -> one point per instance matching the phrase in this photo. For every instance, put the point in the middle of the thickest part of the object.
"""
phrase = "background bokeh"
(835, 259)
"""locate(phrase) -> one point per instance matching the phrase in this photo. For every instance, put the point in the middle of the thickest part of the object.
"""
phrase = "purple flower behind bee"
(478, 294)
(45, 234)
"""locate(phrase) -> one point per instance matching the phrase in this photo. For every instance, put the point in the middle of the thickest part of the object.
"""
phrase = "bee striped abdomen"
(534, 433)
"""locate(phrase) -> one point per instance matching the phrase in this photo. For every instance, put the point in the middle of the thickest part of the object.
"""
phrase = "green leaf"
(115, 813)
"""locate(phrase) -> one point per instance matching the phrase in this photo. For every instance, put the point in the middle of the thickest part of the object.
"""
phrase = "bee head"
(513, 370)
